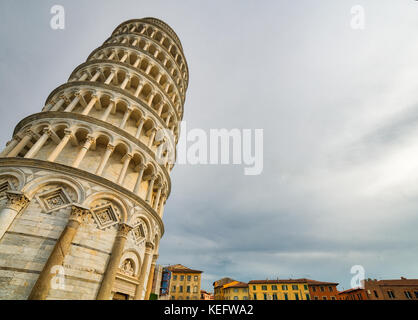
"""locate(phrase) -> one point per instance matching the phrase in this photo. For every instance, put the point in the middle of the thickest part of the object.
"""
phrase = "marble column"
(144, 268)
(126, 160)
(42, 286)
(38, 144)
(16, 201)
(22, 143)
(83, 151)
(141, 169)
(151, 276)
(61, 145)
(108, 152)
(112, 267)
(150, 188)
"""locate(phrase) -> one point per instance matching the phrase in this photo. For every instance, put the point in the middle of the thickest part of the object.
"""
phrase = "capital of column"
(110, 147)
(154, 258)
(149, 246)
(78, 212)
(68, 132)
(16, 200)
(90, 139)
(124, 229)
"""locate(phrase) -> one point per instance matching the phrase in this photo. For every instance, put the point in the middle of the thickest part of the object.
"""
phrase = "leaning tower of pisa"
(84, 182)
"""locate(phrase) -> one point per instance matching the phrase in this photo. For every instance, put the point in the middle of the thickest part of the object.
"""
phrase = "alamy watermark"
(218, 146)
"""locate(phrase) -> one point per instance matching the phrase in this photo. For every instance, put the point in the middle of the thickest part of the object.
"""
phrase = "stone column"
(95, 76)
(73, 103)
(108, 152)
(151, 97)
(9, 146)
(38, 145)
(150, 188)
(141, 169)
(108, 110)
(138, 131)
(157, 197)
(126, 160)
(151, 138)
(58, 104)
(91, 104)
(125, 117)
(161, 206)
(60, 146)
(19, 147)
(144, 268)
(41, 288)
(114, 262)
(110, 77)
(138, 89)
(125, 81)
(16, 201)
(151, 276)
(83, 151)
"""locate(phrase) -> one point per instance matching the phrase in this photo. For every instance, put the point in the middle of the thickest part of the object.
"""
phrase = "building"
(204, 295)
(352, 294)
(184, 283)
(83, 184)
(218, 292)
(291, 289)
(320, 290)
(236, 291)
(397, 289)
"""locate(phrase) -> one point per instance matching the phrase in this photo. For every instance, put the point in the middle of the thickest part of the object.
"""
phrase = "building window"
(305, 286)
(195, 289)
(255, 296)
(245, 298)
(359, 296)
(175, 278)
(408, 295)
(188, 289)
(265, 296)
(189, 278)
(274, 296)
(273, 287)
(187, 298)
(174, 289)
(316, 298)
(294, 287)
(330, 289)
(308, 297)
(264, 288)
(391, 294)
(181, 289)
(286, 297)
(235, 298)
(181, 278)
(254, 288)
(324, 298)
(332, 298)
(296, 296)
(173, 298)
(284, 287)
(235, 290)
(314, 289)
(416, 294)
(375, 294)
(322, 289)
(195, 278)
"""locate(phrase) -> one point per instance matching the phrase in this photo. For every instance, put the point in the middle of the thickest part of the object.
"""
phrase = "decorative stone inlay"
(105, 216)
(139, 232)
(16, 200)
(52, 200)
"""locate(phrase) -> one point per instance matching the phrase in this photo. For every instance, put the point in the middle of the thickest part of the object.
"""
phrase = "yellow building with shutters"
(290, 289)
(236, 291)
(184, 283)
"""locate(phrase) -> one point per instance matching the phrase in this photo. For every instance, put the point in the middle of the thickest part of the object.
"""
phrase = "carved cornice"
(81, 174)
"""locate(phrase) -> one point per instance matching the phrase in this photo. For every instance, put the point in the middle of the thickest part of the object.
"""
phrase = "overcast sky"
(339, 109)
